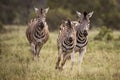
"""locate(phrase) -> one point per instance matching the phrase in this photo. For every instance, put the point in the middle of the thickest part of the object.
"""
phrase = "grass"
(100, 62)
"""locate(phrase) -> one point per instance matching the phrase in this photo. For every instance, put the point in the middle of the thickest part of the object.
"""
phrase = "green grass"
(100, 62)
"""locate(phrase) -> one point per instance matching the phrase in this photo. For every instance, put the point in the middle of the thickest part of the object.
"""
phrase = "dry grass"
(101, 62)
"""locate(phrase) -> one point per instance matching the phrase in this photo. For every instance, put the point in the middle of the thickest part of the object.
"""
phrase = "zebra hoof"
(33, 59)
(56, 67)
(60, 68)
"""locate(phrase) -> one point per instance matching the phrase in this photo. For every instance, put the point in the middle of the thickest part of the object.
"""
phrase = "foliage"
(104, 34)
(118, 39)
(2, 29)
(56, 16)
(108, 15)
(19, 11)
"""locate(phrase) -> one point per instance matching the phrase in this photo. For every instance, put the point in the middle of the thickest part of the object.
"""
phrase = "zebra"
(66, 42)
(82, 28)
(37, 32)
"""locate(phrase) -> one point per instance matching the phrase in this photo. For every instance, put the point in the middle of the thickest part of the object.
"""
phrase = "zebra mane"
(85, 14)
(69, 23)
(41, 10)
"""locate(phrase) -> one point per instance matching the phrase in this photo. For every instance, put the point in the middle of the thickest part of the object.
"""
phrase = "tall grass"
(100, 62)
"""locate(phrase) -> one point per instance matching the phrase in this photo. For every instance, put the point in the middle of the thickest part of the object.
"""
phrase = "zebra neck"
(67, 46)
(41, 20)
(81, 40)
(38, 35)
(66, 42)
(39, 30)
(80, 36)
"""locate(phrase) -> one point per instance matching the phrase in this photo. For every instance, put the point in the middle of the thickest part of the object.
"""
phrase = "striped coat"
(81, 39)
(37, 32)
(66, 42)
(82, 28)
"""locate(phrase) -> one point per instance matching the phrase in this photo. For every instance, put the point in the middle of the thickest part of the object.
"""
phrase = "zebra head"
(84, 22)
(41, 16)
(41, 13)
(69, 30)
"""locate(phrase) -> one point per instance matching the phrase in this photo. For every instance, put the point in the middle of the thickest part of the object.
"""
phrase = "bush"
(55, 17)
(104, 34)
(2, 29)
(118, 39)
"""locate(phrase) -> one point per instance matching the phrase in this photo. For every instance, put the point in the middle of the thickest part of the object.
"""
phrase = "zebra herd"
(72, 36)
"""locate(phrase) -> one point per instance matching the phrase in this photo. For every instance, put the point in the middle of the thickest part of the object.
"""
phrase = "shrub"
(118, 39)
(2, 29)
(55, 17)
(104, 34)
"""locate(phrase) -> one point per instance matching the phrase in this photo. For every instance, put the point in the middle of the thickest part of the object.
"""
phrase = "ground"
(100, 62)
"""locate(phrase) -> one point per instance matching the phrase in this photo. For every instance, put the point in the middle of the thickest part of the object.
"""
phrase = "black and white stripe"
(39, 32)
(67, 45)
(82, 28)
(81, 40)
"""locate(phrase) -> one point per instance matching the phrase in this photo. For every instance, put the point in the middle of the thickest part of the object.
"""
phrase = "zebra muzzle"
(41, 25)
(85, 33)
(70, 39)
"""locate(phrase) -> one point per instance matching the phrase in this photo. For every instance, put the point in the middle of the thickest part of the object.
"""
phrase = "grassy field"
(100, 62)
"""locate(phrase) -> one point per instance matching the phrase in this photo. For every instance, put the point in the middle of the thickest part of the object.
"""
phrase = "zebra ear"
(78, 13)
(69, 23)
(90, 14)
(36, 10)
(46, 10)
(64, 21)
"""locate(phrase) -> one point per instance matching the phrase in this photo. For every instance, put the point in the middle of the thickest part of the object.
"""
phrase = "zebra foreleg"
(38, 52)
(65, 57)
(33, 50)
(81, 53)
(58, 59)
(72, 59)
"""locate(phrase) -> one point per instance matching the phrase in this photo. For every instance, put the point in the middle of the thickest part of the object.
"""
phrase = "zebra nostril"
(70, 39)
(41, 25)
(85, 33)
